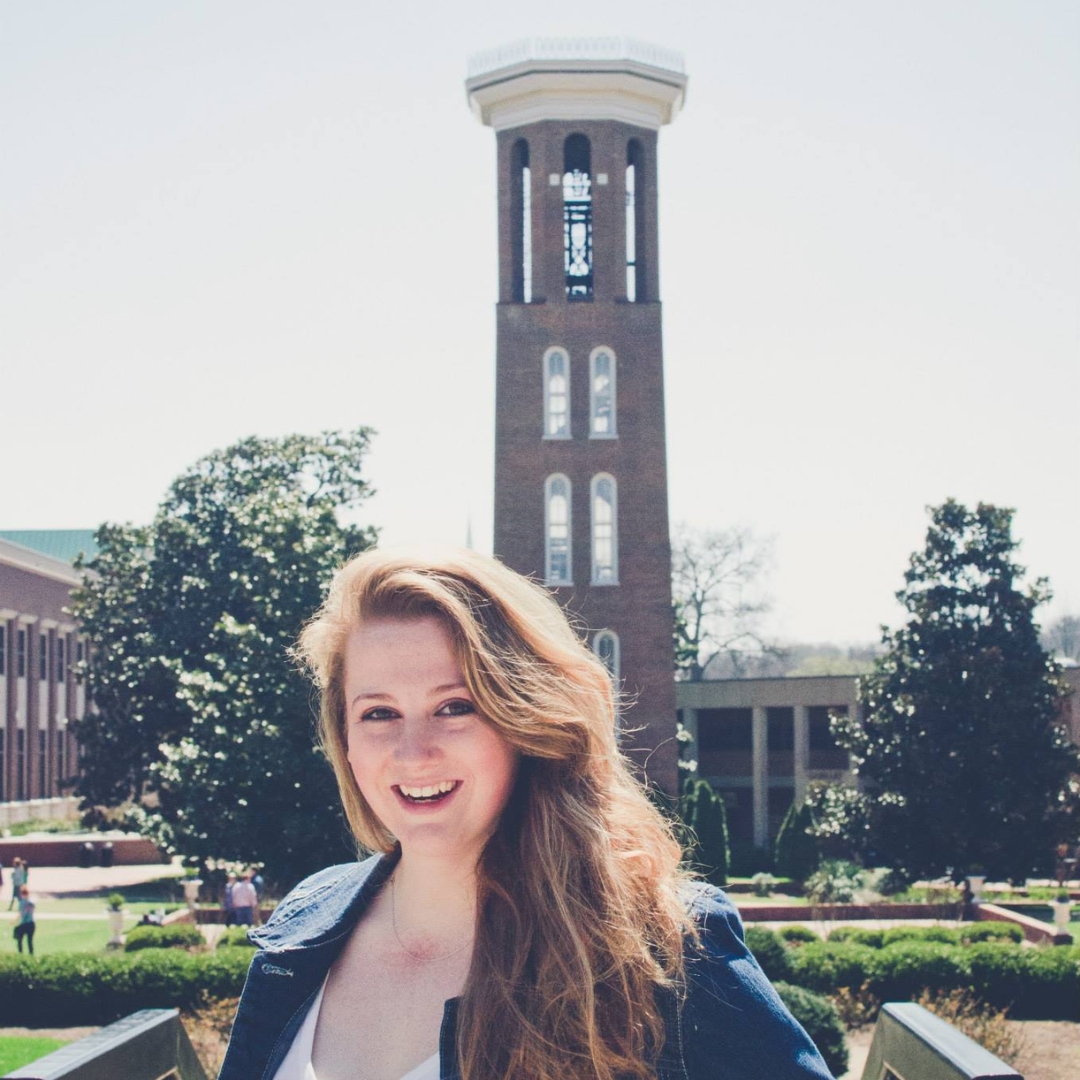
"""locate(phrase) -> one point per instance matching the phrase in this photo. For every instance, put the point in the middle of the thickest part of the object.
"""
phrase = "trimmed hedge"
(770, 952)
(1034, 984)
(235, 937)
(962, 935)
(818, 1015)
(77, 989)
(175, 935)
(797, 934)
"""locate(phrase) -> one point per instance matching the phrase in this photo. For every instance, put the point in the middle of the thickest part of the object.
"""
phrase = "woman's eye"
(379, 713)
(457, 708)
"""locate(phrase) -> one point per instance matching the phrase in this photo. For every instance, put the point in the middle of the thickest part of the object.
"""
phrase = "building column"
(853, 713)
(690, 723)
(802, 751)
(761, 775)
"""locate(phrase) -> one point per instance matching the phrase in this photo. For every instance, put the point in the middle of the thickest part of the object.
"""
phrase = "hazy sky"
(219, 219)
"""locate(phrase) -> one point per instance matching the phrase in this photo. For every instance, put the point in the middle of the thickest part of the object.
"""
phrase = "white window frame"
(549, 578)
(616, 652)
(594, 398)
(596, 577)
(555, 350)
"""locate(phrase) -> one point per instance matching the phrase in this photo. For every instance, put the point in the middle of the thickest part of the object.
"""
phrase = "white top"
(296, 1064)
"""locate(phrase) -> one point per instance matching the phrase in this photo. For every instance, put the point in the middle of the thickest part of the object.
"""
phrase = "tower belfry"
(580, 461)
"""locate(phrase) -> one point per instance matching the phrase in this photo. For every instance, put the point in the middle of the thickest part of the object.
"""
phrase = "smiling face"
(432, 769)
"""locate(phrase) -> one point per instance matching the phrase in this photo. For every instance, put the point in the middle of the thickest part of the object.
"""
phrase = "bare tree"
(716, 584)
(1062, 638)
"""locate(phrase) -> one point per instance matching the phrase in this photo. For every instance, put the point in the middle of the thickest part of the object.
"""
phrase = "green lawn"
(63, 935)
(19, 1050)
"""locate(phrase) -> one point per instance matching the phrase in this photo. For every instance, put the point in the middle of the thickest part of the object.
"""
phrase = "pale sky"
(223, 219)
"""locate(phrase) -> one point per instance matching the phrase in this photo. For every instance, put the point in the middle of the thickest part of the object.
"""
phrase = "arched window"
(558, 569)
(602, 394)
(521, 222)
(577, 218)
(605, 644)
(556, 394)
(605, 530)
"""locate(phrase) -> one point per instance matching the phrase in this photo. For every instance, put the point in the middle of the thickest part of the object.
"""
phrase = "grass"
(19, 1050)
(64, 936)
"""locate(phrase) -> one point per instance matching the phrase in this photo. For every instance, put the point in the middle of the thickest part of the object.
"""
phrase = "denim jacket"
(730, 1026)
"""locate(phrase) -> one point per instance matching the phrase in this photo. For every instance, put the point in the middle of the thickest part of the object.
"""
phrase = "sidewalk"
(72, 880)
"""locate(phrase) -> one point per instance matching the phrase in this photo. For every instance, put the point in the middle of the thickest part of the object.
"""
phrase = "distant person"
(228, 904)
(258, 882)
(19, 873)
(245, 900)
(24, 928)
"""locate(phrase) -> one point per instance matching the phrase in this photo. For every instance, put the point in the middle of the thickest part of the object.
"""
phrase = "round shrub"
(942, 934)
(904, 970)
(1033, 984)
(235, 937)
(858, 935)
(769, 952)
(797, 934)
(174, 936)
(822, 1022)
(991, 931)
(826, 966)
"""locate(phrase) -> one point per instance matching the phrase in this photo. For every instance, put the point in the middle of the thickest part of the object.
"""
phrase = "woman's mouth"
(428, 793)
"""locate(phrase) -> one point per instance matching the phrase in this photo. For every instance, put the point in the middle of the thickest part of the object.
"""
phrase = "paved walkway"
(73, 880)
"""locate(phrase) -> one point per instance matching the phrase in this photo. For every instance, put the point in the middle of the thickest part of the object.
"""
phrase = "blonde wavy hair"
(579, 910)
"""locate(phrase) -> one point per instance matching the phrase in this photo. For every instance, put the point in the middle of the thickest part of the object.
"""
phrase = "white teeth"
(428, 791)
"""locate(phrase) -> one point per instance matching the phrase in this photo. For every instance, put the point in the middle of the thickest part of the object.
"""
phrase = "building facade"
(759, 742)
(40, 693)
(580, 460)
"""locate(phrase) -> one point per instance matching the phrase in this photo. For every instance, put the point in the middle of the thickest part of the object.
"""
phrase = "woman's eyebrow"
(370, 695)
(378, 695)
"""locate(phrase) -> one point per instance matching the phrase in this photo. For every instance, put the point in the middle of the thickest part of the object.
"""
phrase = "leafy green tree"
(962, 753)
(796, 849)
(704, 813)
(200, 720)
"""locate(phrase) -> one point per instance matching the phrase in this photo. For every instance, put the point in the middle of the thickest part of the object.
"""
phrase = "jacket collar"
(326, 906)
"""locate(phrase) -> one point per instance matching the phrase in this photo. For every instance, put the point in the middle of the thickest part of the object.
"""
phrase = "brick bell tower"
(580, 462)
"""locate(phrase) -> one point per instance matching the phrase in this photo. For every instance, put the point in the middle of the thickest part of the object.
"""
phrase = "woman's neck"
(433, 904)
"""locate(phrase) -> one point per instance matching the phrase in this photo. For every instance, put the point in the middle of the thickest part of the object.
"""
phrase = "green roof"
(62, 544)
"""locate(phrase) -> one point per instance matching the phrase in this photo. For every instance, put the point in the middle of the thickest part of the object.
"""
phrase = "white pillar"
(802, 751)
(690, 724)
(761, 776)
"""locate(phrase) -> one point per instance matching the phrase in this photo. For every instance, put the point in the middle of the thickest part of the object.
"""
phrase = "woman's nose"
(417, 741)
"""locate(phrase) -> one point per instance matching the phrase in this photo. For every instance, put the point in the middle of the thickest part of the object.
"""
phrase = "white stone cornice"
(67, 628)
(7, 614)
(49, 624)
(576, 79)
(28, 620)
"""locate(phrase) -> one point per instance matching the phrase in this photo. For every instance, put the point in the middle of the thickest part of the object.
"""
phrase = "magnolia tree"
(200, 722)
(964, 760)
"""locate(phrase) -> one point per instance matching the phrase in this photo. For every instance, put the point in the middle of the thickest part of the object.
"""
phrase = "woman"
(25, 926)
(526, 915)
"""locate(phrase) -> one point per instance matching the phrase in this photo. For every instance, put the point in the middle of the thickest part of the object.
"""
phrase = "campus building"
(40, 648)
(759, 742)
(580, 459)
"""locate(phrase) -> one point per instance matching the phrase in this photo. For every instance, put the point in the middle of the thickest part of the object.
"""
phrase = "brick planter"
(837, 912)
(1035, 930)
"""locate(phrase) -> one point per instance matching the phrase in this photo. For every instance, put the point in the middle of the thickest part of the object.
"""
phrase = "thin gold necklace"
(408, 952)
